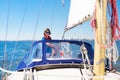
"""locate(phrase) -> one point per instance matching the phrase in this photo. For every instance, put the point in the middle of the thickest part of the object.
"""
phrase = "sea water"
(15, 51)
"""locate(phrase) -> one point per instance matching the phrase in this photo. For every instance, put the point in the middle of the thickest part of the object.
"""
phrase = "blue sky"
(33, 16)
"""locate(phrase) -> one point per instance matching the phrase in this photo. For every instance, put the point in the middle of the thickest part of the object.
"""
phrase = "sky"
(27, 20)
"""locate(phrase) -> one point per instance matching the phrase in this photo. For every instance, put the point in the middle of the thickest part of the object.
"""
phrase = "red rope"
(114, 21)
(113, 24)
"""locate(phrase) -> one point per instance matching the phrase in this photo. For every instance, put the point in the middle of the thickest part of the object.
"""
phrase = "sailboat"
(73, 60)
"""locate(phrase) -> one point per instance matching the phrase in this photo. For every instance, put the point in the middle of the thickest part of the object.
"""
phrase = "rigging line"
(18, 35)
(7, 21)
(110, 43)
(63, 35)
(65, 29)
(5, 55)
(36, 24)
(53, 12)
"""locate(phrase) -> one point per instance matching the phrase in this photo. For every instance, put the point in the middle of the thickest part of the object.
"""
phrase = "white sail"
(80, 10)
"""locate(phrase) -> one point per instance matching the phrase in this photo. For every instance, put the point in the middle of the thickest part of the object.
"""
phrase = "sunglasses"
(48, 32)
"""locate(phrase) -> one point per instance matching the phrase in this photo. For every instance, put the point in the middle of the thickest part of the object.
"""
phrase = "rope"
(18, 35)
(85, 57)
(36, 25)
(109, 42)
(65, 29)
(7, 21)
(113, 23)
(83, 51)
(114, 20)
(63, 35)
(112, 51)
(53, 15)
(5, 55)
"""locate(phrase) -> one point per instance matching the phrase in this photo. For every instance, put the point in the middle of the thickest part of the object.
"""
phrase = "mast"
(100, 39)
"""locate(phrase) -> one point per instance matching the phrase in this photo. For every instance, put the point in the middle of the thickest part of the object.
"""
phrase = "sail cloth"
(80, 11)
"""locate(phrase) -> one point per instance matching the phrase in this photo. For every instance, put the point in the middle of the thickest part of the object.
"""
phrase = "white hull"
(61, 74)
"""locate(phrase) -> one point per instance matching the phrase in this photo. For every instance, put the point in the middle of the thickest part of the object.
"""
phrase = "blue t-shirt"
(47, 48)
